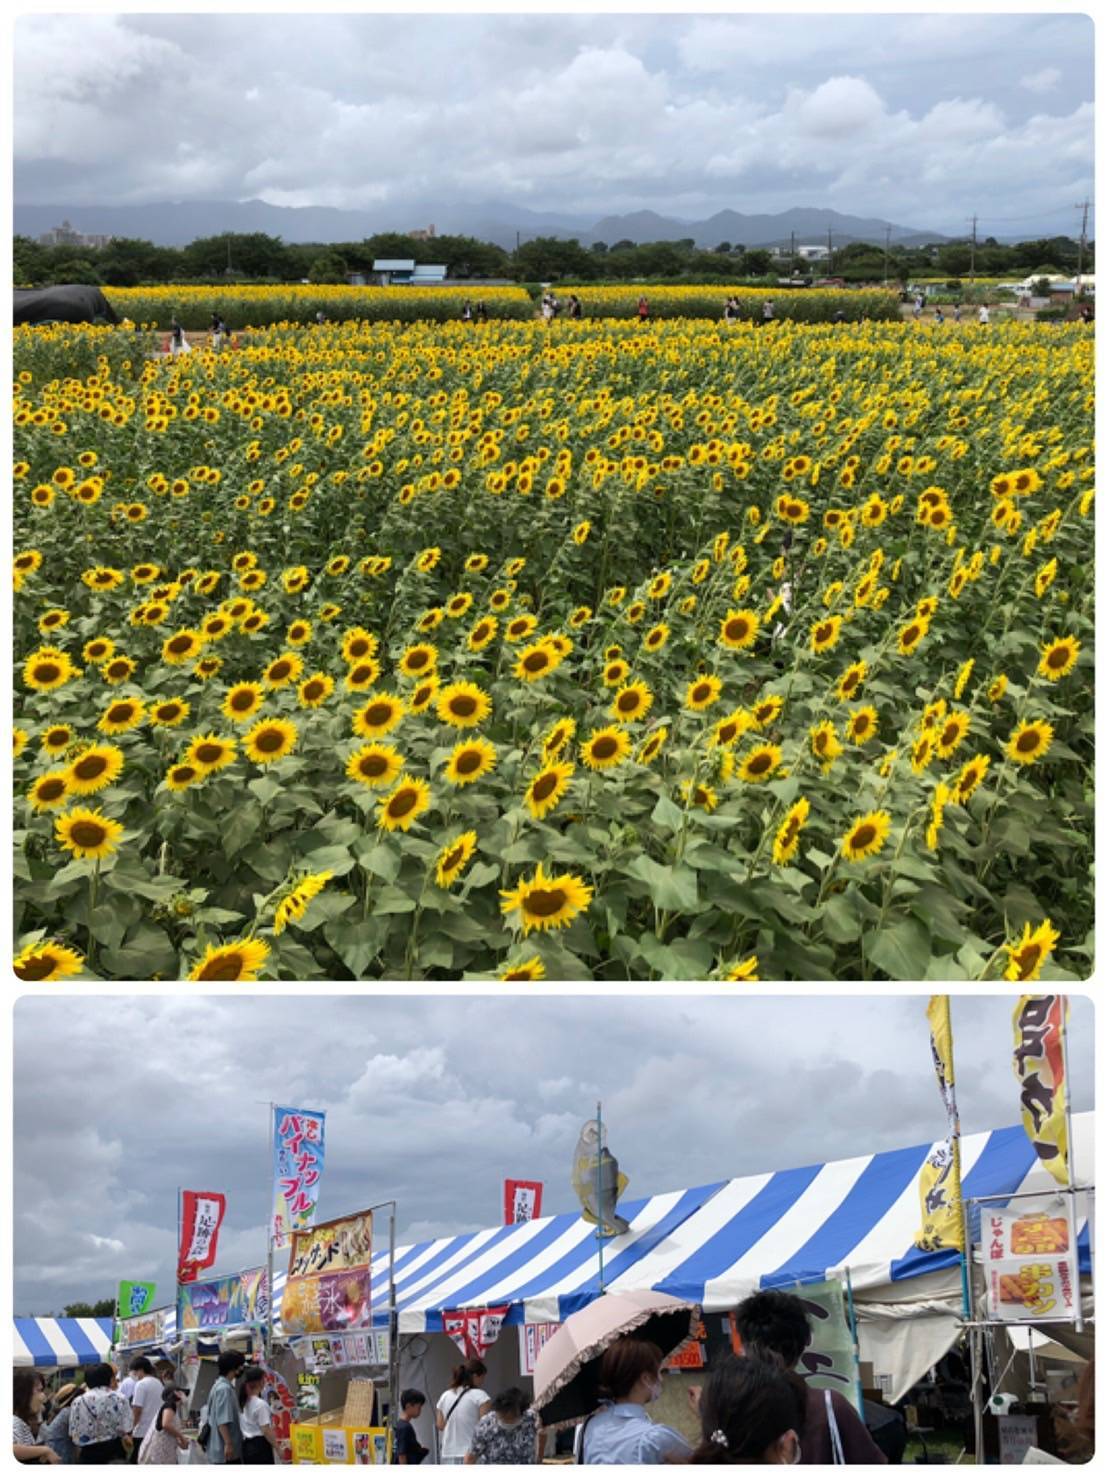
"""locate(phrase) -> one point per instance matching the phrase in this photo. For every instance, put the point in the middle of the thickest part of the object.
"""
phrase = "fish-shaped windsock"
(598, 1181)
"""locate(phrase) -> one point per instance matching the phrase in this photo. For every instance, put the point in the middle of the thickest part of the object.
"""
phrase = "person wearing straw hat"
(56, 1431)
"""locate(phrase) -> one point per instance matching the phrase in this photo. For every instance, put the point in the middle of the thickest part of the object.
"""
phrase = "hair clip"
(718, 1438)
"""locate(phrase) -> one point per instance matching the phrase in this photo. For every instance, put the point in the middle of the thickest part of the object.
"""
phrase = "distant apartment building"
(67, 235)
(423, 233)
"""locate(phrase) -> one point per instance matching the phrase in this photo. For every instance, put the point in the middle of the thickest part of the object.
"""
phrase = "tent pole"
(268, 1330)
(394, 1333)
(1078, 1313)
(978, 1405)
(599, 1206)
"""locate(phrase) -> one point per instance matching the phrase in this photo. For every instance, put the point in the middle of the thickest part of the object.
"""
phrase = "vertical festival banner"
(1038, 1062)
(134, 1299)
(522, 1201)
(202, 1215)
(940, 1181)
(297, 1170)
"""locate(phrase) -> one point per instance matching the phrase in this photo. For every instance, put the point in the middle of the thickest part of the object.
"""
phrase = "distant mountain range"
(176, 223)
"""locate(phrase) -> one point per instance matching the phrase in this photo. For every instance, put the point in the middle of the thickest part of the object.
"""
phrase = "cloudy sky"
(120, 1100)
(922, 119)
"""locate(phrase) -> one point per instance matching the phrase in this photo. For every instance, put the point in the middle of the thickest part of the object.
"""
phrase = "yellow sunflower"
(270, 740)
(862, 724)
(482, 633)
(787, 840)
(123, 714)
(49, 790)
(168, 713)
(547, 788)
(546, 902)
(1058, 658)
(535, 662)
(759, 763)
(47, 960)
(314, 691)
(292, 907)
(557, 737)
(182, 646)
(409, 799)
(181, 776)
(866, 836)
(462, 705)
(47, 669)
(651, 745)
(1031, 951)
(361, 676)
(210, 752)
(242, 701)
(284, 669)
(378, 716)
(451, 861)
(952, 731)
(605, 747)
(1030, 741)
(969, 778)
(469, 760)
(702, 692)
(825, 634)
(700, 797)
(632, 702)
(242, 960)
(743, 969)
(57, 739)
(418, 660)
(532, 969)
(375, 764)
(94, 769)
(87, 833)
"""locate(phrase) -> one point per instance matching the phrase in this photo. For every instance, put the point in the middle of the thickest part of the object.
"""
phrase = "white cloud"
(1045, 80)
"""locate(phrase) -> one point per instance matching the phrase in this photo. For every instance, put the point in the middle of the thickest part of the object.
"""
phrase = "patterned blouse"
(98, 1416)
(493, 1442)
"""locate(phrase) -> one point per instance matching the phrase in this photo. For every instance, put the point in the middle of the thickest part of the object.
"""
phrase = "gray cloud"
(121, 1100)
(924, 119)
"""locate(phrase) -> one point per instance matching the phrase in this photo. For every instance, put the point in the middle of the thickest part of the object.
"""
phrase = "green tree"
(243, 255)
(954, 258)
(103, 1308)
(757, 262)
(127, 262)
(327, 267)
(547, 259)
(75, 269)
(30, 262)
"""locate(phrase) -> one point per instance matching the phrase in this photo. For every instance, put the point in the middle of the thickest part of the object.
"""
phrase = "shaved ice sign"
(328, 1284)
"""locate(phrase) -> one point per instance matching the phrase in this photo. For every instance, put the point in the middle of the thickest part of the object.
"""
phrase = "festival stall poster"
(321, 1355)
(1031, 1273)
(305, 1444)
(307, 1392)
(223, 1302)
(202, 1215)
(692, 1355)
(532, 1337)
(134, 1299)
(282, 1408)
(828, 1363)
(338, 1352)
(328, 1285)
(474, 1331)
(147, 1329)
(297, 1170)
(335, 1449)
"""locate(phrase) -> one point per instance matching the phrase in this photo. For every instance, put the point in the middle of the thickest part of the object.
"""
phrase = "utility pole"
(1084, 209)
(792, 251)
(888, 238)
(973, 251)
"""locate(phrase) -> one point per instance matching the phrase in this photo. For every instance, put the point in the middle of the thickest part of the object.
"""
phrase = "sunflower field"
(582, 651)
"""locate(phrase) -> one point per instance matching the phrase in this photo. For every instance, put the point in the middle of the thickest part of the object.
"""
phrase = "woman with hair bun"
(460, 1408)
(750, 1412)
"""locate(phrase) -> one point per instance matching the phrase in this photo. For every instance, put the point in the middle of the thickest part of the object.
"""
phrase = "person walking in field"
(643, 309)
(983, 315)
(768, 311)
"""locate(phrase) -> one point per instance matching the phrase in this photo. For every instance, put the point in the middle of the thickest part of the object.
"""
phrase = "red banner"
(522, 1201)
(201, 1218)
(474, 1330)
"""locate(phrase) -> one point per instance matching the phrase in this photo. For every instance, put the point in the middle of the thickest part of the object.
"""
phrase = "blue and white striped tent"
(713, 1244)
(58, 1344)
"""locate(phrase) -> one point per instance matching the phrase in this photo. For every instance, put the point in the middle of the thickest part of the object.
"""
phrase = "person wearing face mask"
(750, 1412)
(509, 1434)
(621, 1431)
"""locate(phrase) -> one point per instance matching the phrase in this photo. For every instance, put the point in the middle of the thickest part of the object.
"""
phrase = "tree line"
(256, 256)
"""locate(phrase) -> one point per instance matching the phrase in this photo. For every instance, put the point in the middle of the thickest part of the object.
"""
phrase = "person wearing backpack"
(460, 1408)
(224, 1444)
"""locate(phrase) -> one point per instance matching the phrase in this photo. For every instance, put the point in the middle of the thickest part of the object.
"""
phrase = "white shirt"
(255, 1417)
(148, 1396)
(461, 1413)
(127, 1386)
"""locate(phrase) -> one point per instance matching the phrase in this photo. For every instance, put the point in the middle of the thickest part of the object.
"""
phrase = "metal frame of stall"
(976, 1329)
